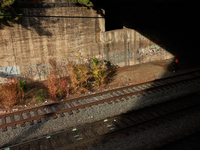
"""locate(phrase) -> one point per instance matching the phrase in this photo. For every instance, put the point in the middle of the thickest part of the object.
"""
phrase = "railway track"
(90, 135)
(70, 106)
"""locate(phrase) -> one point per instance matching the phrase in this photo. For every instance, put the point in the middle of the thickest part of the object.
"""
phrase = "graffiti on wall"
(119, 56)
(29, 71)
(130, 55)
(153, 50)
(36, 70)
(10, 71)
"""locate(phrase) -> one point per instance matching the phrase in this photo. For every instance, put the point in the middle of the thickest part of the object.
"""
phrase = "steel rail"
(179, 111)
(96, 94)
(128, 127)
(95, 103)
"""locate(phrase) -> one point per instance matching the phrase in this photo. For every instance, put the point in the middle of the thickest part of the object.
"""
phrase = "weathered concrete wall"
(126, 47)
(43, 33)
(64, 32)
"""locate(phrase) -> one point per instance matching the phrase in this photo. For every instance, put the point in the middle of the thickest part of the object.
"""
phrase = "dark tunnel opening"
(174, 24)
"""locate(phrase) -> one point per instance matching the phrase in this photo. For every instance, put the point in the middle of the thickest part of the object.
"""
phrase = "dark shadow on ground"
(112, 72)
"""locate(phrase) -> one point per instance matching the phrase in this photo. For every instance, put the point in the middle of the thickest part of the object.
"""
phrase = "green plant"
(10, 11)
(23, 85)
(87, 3)
(99, 70)
(40, 93)
(95, 60)
(79, 75)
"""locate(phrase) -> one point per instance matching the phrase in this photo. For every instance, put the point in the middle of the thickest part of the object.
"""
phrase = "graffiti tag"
(10, 71)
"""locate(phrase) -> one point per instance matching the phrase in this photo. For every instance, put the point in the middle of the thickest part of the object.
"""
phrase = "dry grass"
(11, 93)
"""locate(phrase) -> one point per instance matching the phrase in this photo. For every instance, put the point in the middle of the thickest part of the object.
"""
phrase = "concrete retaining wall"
(126, 47)
(64, 32)
(43, 33)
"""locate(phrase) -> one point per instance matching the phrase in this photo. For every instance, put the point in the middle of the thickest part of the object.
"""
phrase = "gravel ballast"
(90, 115)
(155, 136)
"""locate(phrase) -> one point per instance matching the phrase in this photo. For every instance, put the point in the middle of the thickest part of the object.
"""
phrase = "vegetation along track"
(83, 137)
(123, 93)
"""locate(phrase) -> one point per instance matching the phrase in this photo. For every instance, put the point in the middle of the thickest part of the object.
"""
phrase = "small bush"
(79, 75)
(11, 93)
(40, 93)
(58, 86)
(99, 71)
(23, 85)
(95, 61)
(75, 79)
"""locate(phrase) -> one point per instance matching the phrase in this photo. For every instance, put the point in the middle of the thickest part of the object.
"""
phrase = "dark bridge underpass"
(172, 25)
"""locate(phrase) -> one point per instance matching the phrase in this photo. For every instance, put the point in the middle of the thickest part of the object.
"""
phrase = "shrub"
(58, 86)
(23, 85)
(11, 93)
(79, 75)
(99, 71)
(40, 93)
(60, 83)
